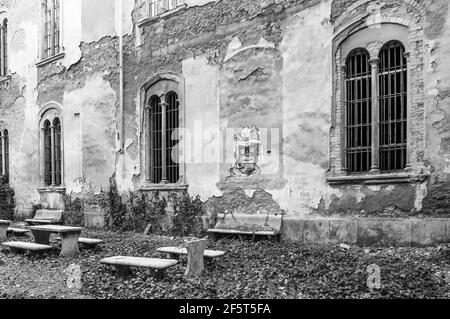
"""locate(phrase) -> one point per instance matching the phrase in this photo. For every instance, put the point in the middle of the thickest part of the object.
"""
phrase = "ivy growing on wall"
(187, 217)
(7, 199)
(73, 211)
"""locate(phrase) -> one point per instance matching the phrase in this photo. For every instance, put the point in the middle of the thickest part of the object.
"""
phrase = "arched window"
(57, 150)
(51, 147)
(375, 109)
(156, 139)
(4, 48)
(51, 28)
(47, 153)
(4, 153)
(163, 136)
(172, 125)
(393, 105)
(358, 112)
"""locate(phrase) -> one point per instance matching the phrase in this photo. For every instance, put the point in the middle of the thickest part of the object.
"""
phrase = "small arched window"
(52, 152)
(358, 112)
(57, 150)
(4, 48)
(47, 153)
(172, 126)
(393, 99)
(163, 136)
(4, 153)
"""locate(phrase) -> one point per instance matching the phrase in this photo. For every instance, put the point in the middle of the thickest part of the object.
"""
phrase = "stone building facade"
(331, 112)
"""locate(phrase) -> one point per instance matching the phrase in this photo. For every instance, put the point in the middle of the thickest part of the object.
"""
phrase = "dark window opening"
(393, 107)
(172, 125)
(156, 139)
(358, 112)
(48, 153)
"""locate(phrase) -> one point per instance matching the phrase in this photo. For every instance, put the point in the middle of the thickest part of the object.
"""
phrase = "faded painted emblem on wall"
(247, 145)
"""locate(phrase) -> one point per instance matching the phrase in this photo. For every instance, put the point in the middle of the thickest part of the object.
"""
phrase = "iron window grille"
(164, 124)
(358, 112)
(52, 153)
(376, 141)
(4, 48)
(4, 153)
(52, 32)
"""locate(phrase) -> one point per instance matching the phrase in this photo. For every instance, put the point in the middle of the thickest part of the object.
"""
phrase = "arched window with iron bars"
(163, 124)
(52, 153)
(376, 113)
(4, 153)
(393, 105)
(358, 112)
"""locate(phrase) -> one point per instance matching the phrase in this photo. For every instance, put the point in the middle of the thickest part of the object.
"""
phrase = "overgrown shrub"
(7, 199)
(74, 211)
(134, 211)
(187, 218)
(114, 207)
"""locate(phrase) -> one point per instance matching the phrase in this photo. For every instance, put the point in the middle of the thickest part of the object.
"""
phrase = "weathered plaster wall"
(213, 45)
(18, 108)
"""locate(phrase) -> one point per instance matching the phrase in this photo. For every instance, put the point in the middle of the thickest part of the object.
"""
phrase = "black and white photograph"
(242, 151)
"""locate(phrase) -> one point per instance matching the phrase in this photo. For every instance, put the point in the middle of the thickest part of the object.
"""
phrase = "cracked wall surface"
(222, 40)
(267, 64)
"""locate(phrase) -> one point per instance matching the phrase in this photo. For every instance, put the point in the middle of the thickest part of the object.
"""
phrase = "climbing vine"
(187, 217)
(7, 199)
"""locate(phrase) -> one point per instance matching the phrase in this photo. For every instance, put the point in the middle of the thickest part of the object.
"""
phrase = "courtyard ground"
(250, 269)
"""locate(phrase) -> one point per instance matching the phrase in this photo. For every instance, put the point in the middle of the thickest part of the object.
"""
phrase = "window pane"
(156, 139)
(393, 107)
(172, 125)
(358, 112)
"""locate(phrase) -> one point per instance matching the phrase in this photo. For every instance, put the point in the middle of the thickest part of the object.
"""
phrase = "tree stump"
(196, 251)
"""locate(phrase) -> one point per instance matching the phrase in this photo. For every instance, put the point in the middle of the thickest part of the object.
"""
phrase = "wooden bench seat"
(248, 225)
(31, 247)
(46, 217)
(174, 252)
(18, 231)
(124, 265)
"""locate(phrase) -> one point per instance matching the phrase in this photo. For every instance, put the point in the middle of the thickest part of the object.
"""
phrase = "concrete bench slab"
(87, 242)
(18, 231)
(246, 224)
(31, 247)
(155, 266)
(170, 251)
(46, 217)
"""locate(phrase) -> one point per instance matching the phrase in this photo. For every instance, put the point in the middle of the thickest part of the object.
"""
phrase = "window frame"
(55, 50)
(161, 85)
(4, 153)
(366, 33)
(51, 113)
(4, 48)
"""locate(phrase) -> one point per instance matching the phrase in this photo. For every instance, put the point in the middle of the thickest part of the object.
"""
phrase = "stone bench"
(30, 247)
(154, 266)
(175, 252)
(46, 217)
(19, 232)
(87, 243)
(248, 225)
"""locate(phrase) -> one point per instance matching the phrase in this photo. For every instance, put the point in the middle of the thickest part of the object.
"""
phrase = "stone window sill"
(163, 15)
(52, 190)
(50, 59)
(164, 187)
(400, 178)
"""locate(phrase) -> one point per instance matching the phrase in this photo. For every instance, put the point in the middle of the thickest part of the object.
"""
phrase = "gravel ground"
(260, 269)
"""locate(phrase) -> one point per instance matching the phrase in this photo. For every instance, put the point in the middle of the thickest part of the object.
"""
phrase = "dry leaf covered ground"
(260, 269)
